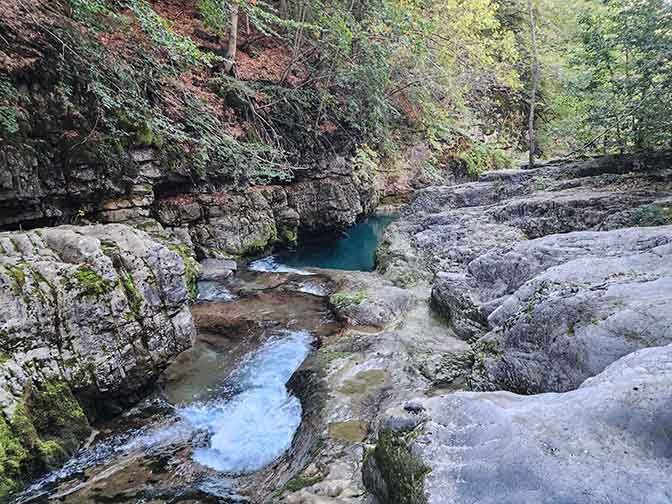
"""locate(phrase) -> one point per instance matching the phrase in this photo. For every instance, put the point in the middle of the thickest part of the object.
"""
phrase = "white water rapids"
(256, 426)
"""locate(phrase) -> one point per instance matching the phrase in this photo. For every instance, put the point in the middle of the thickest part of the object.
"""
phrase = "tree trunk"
(532, 135)
(284, 10)
(233, 40)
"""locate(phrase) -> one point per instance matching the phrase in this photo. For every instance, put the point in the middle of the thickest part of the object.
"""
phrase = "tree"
(625, 71)
(232, 45)
(534, 81)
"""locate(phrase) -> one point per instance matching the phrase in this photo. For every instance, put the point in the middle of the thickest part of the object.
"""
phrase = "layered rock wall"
(205, 214)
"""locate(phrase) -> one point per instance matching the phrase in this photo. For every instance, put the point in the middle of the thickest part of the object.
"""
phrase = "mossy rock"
(364, 381)
(402, 472)
(191, 269)
(46, 428)
(17, 275)
(652, 215)
(13, 459)
(135, 299)
(344, 300)
(299, 482)
(352, 431)
(91, 284)
(288, 235)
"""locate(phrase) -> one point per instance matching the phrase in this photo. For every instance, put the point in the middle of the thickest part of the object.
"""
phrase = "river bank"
(523, 283)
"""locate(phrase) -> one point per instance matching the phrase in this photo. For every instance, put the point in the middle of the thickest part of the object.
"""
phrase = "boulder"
(216, 269)
(559, 309)
(608, 441)
(89, 317)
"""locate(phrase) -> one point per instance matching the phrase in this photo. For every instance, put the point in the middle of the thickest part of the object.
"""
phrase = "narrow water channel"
(256, 425)
(224, 414)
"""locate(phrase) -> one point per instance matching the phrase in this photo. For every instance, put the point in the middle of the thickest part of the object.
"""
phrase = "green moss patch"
(91, 284)
(652, 215)
(344, 300)
(403, 473)
(47, 427)
(364, 381)
(17, 275)
(352, 431)
(13, 458)
(288, 235)
(299, 482)
(191, 269)
(133, 295)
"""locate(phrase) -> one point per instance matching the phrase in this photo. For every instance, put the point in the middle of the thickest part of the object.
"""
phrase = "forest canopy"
(254, 90)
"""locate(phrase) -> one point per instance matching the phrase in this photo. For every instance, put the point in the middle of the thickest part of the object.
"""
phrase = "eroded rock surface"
(608, 441)
(559, 278)
(568, 305)
(445, 228)
(552, 311)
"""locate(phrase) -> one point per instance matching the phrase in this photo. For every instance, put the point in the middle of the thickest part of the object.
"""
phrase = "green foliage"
(366, 159)
(480, 157)
(262, 15)
(13, 456)
(89, 11)
(182, 50)
(139, 99)
(9, 114)
(47, 426)
(623, 69)
(215, 14)
(652, 215)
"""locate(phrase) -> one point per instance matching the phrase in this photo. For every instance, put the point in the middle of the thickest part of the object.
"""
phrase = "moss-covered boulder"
(89, 317)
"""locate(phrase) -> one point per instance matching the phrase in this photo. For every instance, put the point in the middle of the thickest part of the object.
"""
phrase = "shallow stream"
(225, 424)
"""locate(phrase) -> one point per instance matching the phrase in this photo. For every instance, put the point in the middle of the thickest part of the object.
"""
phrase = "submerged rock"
(90, 316)
(608, 441)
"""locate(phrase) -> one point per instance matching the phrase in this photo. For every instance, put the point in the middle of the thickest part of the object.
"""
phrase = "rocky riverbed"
(512, 346)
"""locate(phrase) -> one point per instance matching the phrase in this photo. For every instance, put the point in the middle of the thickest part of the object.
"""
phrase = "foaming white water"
(271, 265)
(213, 291)
(255, 427)
(314, 289)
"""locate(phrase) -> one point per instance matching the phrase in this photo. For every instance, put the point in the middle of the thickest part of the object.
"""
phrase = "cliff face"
(89, 317)
(98, 126)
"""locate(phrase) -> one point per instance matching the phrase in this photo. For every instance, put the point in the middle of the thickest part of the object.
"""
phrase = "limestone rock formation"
(244, 223)
(445, 228)
(608, 441)
(89, 316)
(555, 310)
(565, 306)
(207, 215)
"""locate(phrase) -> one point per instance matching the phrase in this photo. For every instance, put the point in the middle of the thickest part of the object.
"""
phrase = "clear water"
(255, 426)
(354, 251)
(214, 291)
